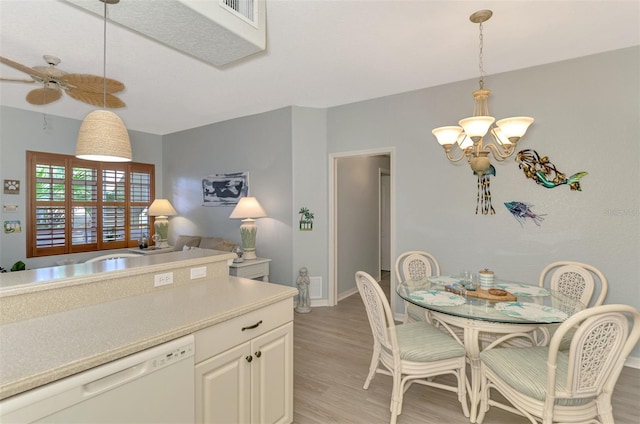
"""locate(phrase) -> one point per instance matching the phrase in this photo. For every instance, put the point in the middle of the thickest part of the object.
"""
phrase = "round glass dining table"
(485, 324)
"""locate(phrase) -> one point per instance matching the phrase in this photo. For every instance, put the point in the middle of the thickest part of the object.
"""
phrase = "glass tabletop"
(533, 305)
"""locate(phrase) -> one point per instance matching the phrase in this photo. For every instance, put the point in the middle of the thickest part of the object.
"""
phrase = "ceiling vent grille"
(243, 8)
(215, 31)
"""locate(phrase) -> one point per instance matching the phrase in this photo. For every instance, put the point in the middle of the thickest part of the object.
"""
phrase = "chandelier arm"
(500, 153)
(463, 153)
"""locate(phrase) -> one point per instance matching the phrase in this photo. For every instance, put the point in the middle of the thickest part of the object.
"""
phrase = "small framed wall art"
(11, 187)
(224, 189)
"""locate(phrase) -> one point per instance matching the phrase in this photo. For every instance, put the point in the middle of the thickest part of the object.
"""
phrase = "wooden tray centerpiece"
(496, 295)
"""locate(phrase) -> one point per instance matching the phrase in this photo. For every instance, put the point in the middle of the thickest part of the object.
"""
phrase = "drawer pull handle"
(258, 354)
(249, 358)
(251, 327)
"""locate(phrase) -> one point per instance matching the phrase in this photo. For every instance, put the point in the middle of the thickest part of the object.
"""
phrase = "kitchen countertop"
(43, 349)
(32, 280)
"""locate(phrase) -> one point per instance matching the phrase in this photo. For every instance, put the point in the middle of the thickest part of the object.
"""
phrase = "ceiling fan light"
(103, 137)
(514, 127)
(476, 126)
(447, 135)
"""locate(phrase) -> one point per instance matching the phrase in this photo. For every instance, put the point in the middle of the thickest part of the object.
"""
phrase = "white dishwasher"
(152, 386)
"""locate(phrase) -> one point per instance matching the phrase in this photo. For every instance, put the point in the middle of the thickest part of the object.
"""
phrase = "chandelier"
(469, 140)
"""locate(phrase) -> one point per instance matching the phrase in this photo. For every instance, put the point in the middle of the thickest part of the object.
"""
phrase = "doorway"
(346, 251)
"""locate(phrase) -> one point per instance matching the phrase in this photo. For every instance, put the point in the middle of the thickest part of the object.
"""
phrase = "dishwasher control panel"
(172, 356)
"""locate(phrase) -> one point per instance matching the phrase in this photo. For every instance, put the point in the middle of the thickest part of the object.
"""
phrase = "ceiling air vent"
(243, 8)
(215, 31)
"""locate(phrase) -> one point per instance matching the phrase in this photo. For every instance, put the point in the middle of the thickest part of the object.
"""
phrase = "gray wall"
(309, 154)
(259, 144)
(23, 130)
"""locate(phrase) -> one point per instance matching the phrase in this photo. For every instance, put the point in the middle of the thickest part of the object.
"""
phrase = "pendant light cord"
(104, 58)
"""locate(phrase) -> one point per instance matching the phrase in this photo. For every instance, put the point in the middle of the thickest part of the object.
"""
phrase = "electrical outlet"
(163, 279)
(199, 272)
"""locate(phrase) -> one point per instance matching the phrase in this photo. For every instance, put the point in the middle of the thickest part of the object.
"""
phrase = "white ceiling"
(320, 53)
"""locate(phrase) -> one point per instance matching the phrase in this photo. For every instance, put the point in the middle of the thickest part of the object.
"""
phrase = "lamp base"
(249, 254)
(248, 230)
(161, 225)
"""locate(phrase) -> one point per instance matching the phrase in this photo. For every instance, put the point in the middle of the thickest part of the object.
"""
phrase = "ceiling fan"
(86, 88)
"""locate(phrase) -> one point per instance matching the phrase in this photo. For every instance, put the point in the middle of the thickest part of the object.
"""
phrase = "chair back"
(599, 347)
(415, 264)
(379, 314)
(576, 280)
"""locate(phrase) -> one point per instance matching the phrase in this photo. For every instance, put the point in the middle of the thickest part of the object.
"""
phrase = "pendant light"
(103, 136)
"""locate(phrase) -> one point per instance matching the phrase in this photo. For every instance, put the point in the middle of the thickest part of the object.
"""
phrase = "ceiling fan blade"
(95, 99)
(43, 96)
(17, 80)
(23, 68)
(92, 83)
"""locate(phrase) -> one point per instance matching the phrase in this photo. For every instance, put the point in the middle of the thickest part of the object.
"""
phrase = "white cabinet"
(248, 382)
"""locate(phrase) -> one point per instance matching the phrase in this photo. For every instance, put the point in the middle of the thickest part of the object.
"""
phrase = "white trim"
(319, 303)
(332, 287)
(343, 296)
(632, 362)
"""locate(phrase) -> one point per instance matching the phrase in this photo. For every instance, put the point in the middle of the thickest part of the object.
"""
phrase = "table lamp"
(162, 210)
(248, 209)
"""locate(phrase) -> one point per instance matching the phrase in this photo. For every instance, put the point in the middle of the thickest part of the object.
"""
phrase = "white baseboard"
(319, 302)
(348, 293)
(632, 362)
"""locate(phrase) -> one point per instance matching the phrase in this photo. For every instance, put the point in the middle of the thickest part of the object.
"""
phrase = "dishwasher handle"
(114, 380)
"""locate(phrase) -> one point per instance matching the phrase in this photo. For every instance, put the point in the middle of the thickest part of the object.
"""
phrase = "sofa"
(185, 242)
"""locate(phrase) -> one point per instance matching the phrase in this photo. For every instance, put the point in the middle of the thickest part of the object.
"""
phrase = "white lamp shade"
(103, 137)
(248, 207)
(514, 127)
(465, 142)
(500, 137)
(476, 126)
(161, 207)
(447, 135)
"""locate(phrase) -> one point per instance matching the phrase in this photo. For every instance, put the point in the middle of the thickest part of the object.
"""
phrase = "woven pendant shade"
(103, 137)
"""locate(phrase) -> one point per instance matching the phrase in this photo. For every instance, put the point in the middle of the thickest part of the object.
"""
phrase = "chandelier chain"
(481, 65)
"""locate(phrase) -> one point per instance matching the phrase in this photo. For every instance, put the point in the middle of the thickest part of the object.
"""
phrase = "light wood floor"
(332, 350)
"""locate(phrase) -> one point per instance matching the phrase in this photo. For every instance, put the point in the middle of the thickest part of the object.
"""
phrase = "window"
(80, 206)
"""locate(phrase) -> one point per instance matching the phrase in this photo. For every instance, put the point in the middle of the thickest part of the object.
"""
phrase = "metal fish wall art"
(521, 211)
(545, 173)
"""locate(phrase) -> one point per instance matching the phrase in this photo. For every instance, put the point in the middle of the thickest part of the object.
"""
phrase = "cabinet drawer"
(220, 337)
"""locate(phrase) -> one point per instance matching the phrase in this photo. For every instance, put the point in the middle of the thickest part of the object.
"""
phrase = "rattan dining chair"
(410, 353)
(577, 280)
(573, 386)
(414, 265)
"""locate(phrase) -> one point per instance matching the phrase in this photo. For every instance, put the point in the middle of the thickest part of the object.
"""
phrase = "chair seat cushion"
(422, 342)
(565, 343)
(415, 313)
(525, 370)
